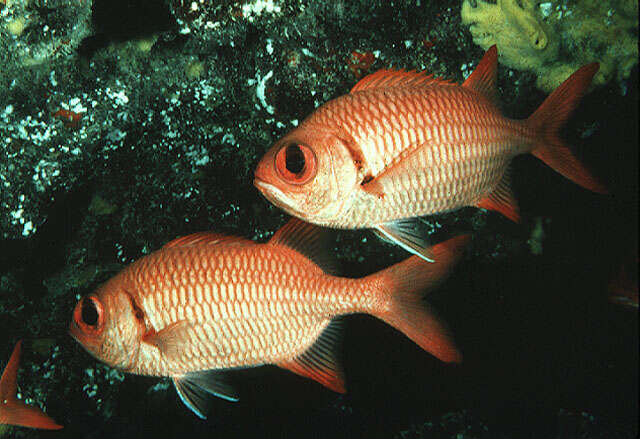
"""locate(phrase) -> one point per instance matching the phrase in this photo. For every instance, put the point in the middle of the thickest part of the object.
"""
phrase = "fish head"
(310, 174)
(109, 324)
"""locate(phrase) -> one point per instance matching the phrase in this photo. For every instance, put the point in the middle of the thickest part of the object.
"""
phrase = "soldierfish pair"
(401, 145)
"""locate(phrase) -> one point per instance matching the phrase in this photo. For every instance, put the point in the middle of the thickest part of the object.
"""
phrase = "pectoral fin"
(170, 339)
(409, 163)
(195, 389)
(410, 234)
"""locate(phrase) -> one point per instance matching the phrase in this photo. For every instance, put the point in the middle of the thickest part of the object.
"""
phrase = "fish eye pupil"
(294, 159)
(89, 313)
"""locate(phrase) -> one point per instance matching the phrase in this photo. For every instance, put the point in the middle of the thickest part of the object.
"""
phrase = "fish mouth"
(274, 195)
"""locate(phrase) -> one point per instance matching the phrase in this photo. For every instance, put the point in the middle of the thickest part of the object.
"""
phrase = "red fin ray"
(320, 362)
(309, 240)
(502, 200)
(12, 410)
(549, 118)
(387, 78)
(484, 77)
(405, 283)
(208, 238)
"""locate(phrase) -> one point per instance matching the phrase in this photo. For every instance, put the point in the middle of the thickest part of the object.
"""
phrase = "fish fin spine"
(320, 361)
(502, 200)
(410, 234)
(549, 118)
(309, 240)
(388, 78)
(484, 77)
(206, 238)
(404, 283)
(195, 389)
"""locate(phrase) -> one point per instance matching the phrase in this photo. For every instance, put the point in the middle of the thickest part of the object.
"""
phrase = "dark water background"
(546, 355)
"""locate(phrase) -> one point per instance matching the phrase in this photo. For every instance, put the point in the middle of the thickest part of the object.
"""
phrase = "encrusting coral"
(555, 38)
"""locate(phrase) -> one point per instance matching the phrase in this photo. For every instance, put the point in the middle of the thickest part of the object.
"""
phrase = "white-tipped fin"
(195, 389)
(411, 234)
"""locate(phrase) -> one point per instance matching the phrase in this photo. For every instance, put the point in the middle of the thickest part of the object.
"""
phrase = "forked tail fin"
(549, 118)
(405, 283)
(12, 410)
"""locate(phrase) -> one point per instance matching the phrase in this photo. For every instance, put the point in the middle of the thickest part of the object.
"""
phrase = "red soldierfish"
(12, 410)
(207, 302)
(402, 145)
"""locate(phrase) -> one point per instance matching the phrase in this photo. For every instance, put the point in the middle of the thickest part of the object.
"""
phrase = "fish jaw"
(277, 197)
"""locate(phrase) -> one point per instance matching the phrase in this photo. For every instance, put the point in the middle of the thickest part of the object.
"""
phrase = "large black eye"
(89, 312)
(294, 159)
(296, 163)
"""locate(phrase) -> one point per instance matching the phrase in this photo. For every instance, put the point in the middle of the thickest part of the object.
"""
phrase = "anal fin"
(502, 199)
(319, 362)
(410, 234)
(195, 389)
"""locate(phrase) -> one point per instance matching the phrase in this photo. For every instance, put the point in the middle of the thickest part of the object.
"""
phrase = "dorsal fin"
(483, 79)
(308, 240)
(205, 238)
(397, 78)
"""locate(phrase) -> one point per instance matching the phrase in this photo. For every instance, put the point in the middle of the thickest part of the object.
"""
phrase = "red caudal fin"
(549, 118)
(12, 410)
(405, 283)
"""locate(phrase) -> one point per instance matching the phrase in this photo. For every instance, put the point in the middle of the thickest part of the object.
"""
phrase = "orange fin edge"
(19, 413)
(319, 362)
(549, 118)
(502, 200)
(484, 77)
(405, 283)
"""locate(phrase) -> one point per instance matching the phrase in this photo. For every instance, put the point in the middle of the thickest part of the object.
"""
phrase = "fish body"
(12, 410)
(403, 145)
(207, 302)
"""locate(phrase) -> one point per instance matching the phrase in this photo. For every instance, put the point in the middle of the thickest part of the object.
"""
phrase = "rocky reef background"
(126, 123)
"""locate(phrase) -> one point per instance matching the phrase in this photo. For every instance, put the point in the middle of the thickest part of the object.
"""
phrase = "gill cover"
(109, 325)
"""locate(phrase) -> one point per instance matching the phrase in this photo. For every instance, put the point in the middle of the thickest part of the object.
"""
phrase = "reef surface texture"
(554, 38)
